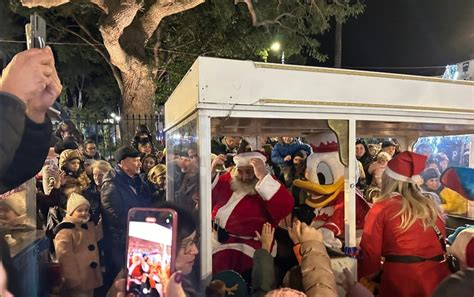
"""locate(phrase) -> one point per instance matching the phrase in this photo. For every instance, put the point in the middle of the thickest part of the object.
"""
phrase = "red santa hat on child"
(406, 166)
(243, 159)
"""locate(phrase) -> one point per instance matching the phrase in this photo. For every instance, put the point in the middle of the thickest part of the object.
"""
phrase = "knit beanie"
(69, 155)
(430, 173)
(74, 201)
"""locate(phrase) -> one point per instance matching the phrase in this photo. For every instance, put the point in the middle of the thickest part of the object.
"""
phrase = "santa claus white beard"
(237, 185)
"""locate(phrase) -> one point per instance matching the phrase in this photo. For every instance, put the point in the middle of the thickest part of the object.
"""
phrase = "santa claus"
(243, 199)
(324, 182)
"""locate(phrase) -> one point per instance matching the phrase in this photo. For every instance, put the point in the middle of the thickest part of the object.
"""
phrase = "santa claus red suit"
(238, 214)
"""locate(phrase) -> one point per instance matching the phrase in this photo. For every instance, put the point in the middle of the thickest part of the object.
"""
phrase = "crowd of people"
(262, 224)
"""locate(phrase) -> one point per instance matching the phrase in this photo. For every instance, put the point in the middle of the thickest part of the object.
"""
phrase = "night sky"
(408, 33)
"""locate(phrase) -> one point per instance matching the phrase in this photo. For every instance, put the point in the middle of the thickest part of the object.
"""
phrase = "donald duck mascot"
(324, 182)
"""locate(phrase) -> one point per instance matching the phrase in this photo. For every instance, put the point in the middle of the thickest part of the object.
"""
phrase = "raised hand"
(295, 232)
(266, 238)
(309, 233)
(32, 78)
(218, 161)
(28, 74)
(258, 168)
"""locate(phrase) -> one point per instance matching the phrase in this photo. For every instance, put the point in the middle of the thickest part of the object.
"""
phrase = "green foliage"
(222, 29)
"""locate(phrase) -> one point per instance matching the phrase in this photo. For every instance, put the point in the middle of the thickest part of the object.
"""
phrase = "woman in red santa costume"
(405, 230)
(243, 199)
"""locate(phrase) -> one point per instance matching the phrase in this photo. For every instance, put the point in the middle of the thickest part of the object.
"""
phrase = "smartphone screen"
(150, 250)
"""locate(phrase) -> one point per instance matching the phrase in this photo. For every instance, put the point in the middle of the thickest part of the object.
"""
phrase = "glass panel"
(183, 186)
(18, 213)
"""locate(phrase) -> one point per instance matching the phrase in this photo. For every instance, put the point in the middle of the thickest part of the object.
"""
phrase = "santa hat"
(325, 142)
(74, 201)
(405, 166)
(243, 159)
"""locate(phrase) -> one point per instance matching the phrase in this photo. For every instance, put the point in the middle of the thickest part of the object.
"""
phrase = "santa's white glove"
(329, 239)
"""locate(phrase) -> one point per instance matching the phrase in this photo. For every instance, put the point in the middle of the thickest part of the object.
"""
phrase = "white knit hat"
(74, 201)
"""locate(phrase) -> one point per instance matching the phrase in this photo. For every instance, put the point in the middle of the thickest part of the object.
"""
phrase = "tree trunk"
(338, 45)
(138, 97)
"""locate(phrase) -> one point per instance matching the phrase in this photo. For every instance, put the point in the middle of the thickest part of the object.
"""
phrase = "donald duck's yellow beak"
(322, 195)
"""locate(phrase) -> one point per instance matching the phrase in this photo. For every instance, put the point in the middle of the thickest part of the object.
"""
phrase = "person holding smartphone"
(28, 87)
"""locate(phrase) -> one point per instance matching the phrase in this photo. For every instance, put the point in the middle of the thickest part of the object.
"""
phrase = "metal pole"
(283, 57)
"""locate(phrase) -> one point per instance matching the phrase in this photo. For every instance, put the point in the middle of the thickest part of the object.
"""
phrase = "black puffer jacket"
(120, 193)
(24, 144)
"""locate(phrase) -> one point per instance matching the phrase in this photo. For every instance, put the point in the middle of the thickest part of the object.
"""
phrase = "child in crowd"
(377, 168)
(76, 249)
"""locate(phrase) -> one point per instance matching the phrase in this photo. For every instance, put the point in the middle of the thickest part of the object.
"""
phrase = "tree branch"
(115, 72)
(253, 15)
(153, 16)
(53, 3)
(112, 27)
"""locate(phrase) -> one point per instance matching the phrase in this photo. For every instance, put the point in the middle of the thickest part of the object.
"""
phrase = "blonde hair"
(384, 156)
(416, 205)
(101, 165)
(156, 171)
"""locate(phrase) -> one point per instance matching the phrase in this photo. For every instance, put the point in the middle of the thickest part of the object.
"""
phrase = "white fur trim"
(243, 159)
(226, 210)
(241, 247)
(267, 187)
(215, 181)
(398, 176)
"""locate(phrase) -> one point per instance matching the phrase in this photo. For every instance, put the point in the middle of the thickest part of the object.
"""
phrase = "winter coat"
(119, 193)
(318, 277)
(24, 144)
(280, 151)
(458, 284)
(382, 237)
(92, 194)
(263, 273)
(78, 254)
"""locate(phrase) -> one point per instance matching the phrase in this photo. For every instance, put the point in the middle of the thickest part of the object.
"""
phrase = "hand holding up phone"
(32, 77)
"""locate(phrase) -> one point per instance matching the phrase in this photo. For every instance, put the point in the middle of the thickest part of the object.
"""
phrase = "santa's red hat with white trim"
(406, 166)
(243, 159)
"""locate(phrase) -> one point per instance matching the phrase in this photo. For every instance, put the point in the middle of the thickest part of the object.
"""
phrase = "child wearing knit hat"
(76, 248)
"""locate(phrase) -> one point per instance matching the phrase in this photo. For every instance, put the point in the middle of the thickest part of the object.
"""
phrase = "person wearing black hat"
(389, 147)
(122, 189)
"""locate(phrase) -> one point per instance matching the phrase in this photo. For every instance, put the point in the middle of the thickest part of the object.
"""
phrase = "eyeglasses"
(188, 244)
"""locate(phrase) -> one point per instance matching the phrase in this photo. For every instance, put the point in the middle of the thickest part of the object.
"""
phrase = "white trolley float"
(220, 97)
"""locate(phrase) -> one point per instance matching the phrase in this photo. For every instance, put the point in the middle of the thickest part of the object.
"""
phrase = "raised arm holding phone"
(28, 87)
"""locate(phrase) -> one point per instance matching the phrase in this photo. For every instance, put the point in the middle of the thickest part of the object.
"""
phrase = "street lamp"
(276, 46)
